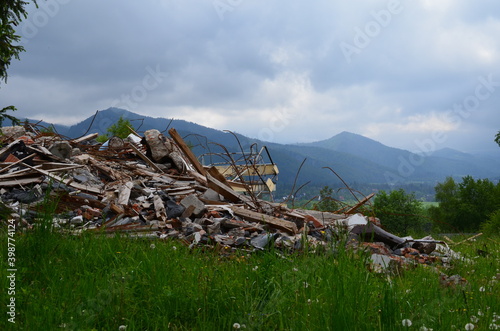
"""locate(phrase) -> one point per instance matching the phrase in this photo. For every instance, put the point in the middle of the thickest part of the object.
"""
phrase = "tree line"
(471, 205)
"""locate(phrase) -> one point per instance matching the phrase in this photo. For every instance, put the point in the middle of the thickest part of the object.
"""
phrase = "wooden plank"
(471, 238)
(250, 170)
(17, 173)
(124, 193)
(15, 163)
(214, 171)
(66, 168)
(198, 177)
(67, 181)
(85, 138)
(275, 222)
(8, 147)
(145, 158)
(187, 151)
(20, 181)
(44, 152)
(228, 193)
(108, 171)
(359, 204)
(161, 213)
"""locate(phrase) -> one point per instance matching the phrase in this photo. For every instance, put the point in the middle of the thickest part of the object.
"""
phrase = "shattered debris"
(154, 186)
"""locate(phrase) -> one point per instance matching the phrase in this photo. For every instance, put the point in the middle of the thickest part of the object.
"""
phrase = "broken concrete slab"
(61, 149)
(192, 200)
(160, 148)
(13, 132)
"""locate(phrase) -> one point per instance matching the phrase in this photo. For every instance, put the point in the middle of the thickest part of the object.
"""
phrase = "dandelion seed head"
(122, 328)
(174, 248)
(406, 322)
(152, 246)
(469, 326)
(494, 326)
(255, 268)
(482, 289)
(474, 319)
(236, 326)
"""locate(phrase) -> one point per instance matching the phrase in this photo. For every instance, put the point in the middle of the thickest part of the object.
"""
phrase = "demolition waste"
(153, 186)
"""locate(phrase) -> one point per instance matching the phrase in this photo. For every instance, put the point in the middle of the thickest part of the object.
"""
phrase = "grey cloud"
(94, 52)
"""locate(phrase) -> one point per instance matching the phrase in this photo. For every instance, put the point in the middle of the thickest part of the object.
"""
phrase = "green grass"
(94, 282)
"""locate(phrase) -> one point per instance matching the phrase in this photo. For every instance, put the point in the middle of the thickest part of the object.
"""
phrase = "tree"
(466, 205)
(12, 12)
(398, 211)
(120, 129)
(497, 138)
(326, 203)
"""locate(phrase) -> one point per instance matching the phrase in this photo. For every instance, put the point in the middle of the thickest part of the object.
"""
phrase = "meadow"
(96, 282)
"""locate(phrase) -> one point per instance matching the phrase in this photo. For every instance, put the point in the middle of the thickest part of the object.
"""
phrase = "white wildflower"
(255, 268)
(494, 326)
(236, 326)
(152, 246)
(482, 289)
(474, 319)
(122, 328)
(406, 322)
(174, 248)
(469, 326)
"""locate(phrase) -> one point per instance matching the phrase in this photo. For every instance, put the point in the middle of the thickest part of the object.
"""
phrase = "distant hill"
(409, 166)
(357, 159)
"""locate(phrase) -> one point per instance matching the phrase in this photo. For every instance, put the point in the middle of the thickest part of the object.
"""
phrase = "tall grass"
(96, 282)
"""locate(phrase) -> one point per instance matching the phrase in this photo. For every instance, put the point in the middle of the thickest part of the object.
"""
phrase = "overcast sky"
(417, 74)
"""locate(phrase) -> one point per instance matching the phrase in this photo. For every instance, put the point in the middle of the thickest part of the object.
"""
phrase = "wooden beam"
(17, 162)
(160, 210)
(145, 158)
(124, 193)
(228, 193)
(8, 147)
(67, 181)
(187, 151)
(275, 222)
(85, 138)
(359, 204)
(20, 181)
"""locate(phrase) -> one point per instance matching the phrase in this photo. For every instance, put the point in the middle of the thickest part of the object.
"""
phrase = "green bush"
(398, 211)
(102, 138)
(492, 225)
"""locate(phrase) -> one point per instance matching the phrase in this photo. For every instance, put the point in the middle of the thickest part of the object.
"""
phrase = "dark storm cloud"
(387, 69)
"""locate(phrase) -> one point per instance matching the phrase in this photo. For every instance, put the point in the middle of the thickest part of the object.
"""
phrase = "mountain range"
(353, 157)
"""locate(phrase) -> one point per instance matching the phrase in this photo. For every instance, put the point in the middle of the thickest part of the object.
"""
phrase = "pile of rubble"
(154, 186)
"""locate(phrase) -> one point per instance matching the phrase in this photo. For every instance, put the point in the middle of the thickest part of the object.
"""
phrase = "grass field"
(93, 282)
